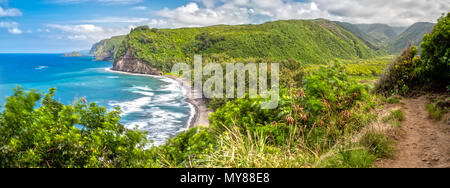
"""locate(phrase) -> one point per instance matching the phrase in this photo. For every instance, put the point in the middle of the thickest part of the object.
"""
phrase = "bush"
(46, 136)
(436, 52)
(187, 149)
(409, 71)
(404, 73)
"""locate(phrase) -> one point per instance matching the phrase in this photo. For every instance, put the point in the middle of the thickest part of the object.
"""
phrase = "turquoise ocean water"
(154, 104)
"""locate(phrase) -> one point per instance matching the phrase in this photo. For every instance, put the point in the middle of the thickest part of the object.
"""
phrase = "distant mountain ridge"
(383, 33)
(389, 38)
(368, 39)
(413, 34)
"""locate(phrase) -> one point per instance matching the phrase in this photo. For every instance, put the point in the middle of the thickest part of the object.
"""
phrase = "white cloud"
(12, 27)
(116, 20)
(88, 33)
(98, 1)
(192, 15)
(10, 12)
(212, 12)
(398, 12)
(139, 8)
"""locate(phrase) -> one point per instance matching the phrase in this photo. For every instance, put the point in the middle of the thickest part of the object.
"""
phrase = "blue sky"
(55, 26)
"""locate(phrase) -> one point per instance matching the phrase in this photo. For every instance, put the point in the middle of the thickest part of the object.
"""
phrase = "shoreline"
(200, 112)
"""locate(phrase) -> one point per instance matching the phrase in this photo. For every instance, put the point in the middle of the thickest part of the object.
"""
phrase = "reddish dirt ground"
(423, 142)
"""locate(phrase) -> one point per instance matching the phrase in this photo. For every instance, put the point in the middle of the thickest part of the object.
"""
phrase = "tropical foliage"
(307, 41)
(53, 135)
(436, 52)
(404, 73)
(308, 122)
(429, 71)
(321, 108)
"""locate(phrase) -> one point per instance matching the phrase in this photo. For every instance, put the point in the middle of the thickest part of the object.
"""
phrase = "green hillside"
(105, 49)
(369, 40)
(413, 34)
(308, 41)
(381, 33)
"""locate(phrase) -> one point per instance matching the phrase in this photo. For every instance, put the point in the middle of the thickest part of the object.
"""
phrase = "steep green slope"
(308, 41)
(369, 40)
(381, 33)
(105, 49)
(413, 34)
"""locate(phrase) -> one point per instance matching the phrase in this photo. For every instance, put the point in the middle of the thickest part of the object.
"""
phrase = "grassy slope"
(369, 40)
(308, 41)
(413, 34)
(382, 33)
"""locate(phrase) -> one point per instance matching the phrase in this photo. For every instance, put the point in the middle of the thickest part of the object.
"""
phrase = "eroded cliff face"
(128, 63)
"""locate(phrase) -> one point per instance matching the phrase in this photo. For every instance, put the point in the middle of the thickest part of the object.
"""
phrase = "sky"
(57, 26)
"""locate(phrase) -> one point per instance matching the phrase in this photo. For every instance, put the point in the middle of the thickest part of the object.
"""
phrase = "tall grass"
(251, 150)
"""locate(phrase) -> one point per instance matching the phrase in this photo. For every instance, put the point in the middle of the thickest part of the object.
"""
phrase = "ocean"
(153, 104)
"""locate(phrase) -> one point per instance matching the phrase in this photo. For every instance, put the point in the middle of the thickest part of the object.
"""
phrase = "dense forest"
(306, 41)
(321, 106)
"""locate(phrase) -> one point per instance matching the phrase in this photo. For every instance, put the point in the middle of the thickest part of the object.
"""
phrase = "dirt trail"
(424, 143)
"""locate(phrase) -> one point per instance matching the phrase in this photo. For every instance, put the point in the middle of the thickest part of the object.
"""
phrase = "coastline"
(200, 112)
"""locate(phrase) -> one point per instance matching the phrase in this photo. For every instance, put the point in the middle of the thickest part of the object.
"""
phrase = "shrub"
(187, 149)
(46, 136)
(409, 71)
(436, 52)
(404, 73)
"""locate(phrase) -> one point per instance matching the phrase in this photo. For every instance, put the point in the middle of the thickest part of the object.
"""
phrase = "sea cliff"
(129, 63)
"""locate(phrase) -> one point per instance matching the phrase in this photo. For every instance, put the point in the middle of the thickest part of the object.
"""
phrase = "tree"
(436, 52)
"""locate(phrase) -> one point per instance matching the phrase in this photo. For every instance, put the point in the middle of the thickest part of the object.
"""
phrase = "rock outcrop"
(73, 54)
(128, 63)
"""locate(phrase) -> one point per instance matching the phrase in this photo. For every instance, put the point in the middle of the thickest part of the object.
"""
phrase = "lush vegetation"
(436, 53)
(429, 71)
(310, 122)
(307, 41)
(380, 33)
(105, 49)
(322, 108)
(54, 135)
(403, 74)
